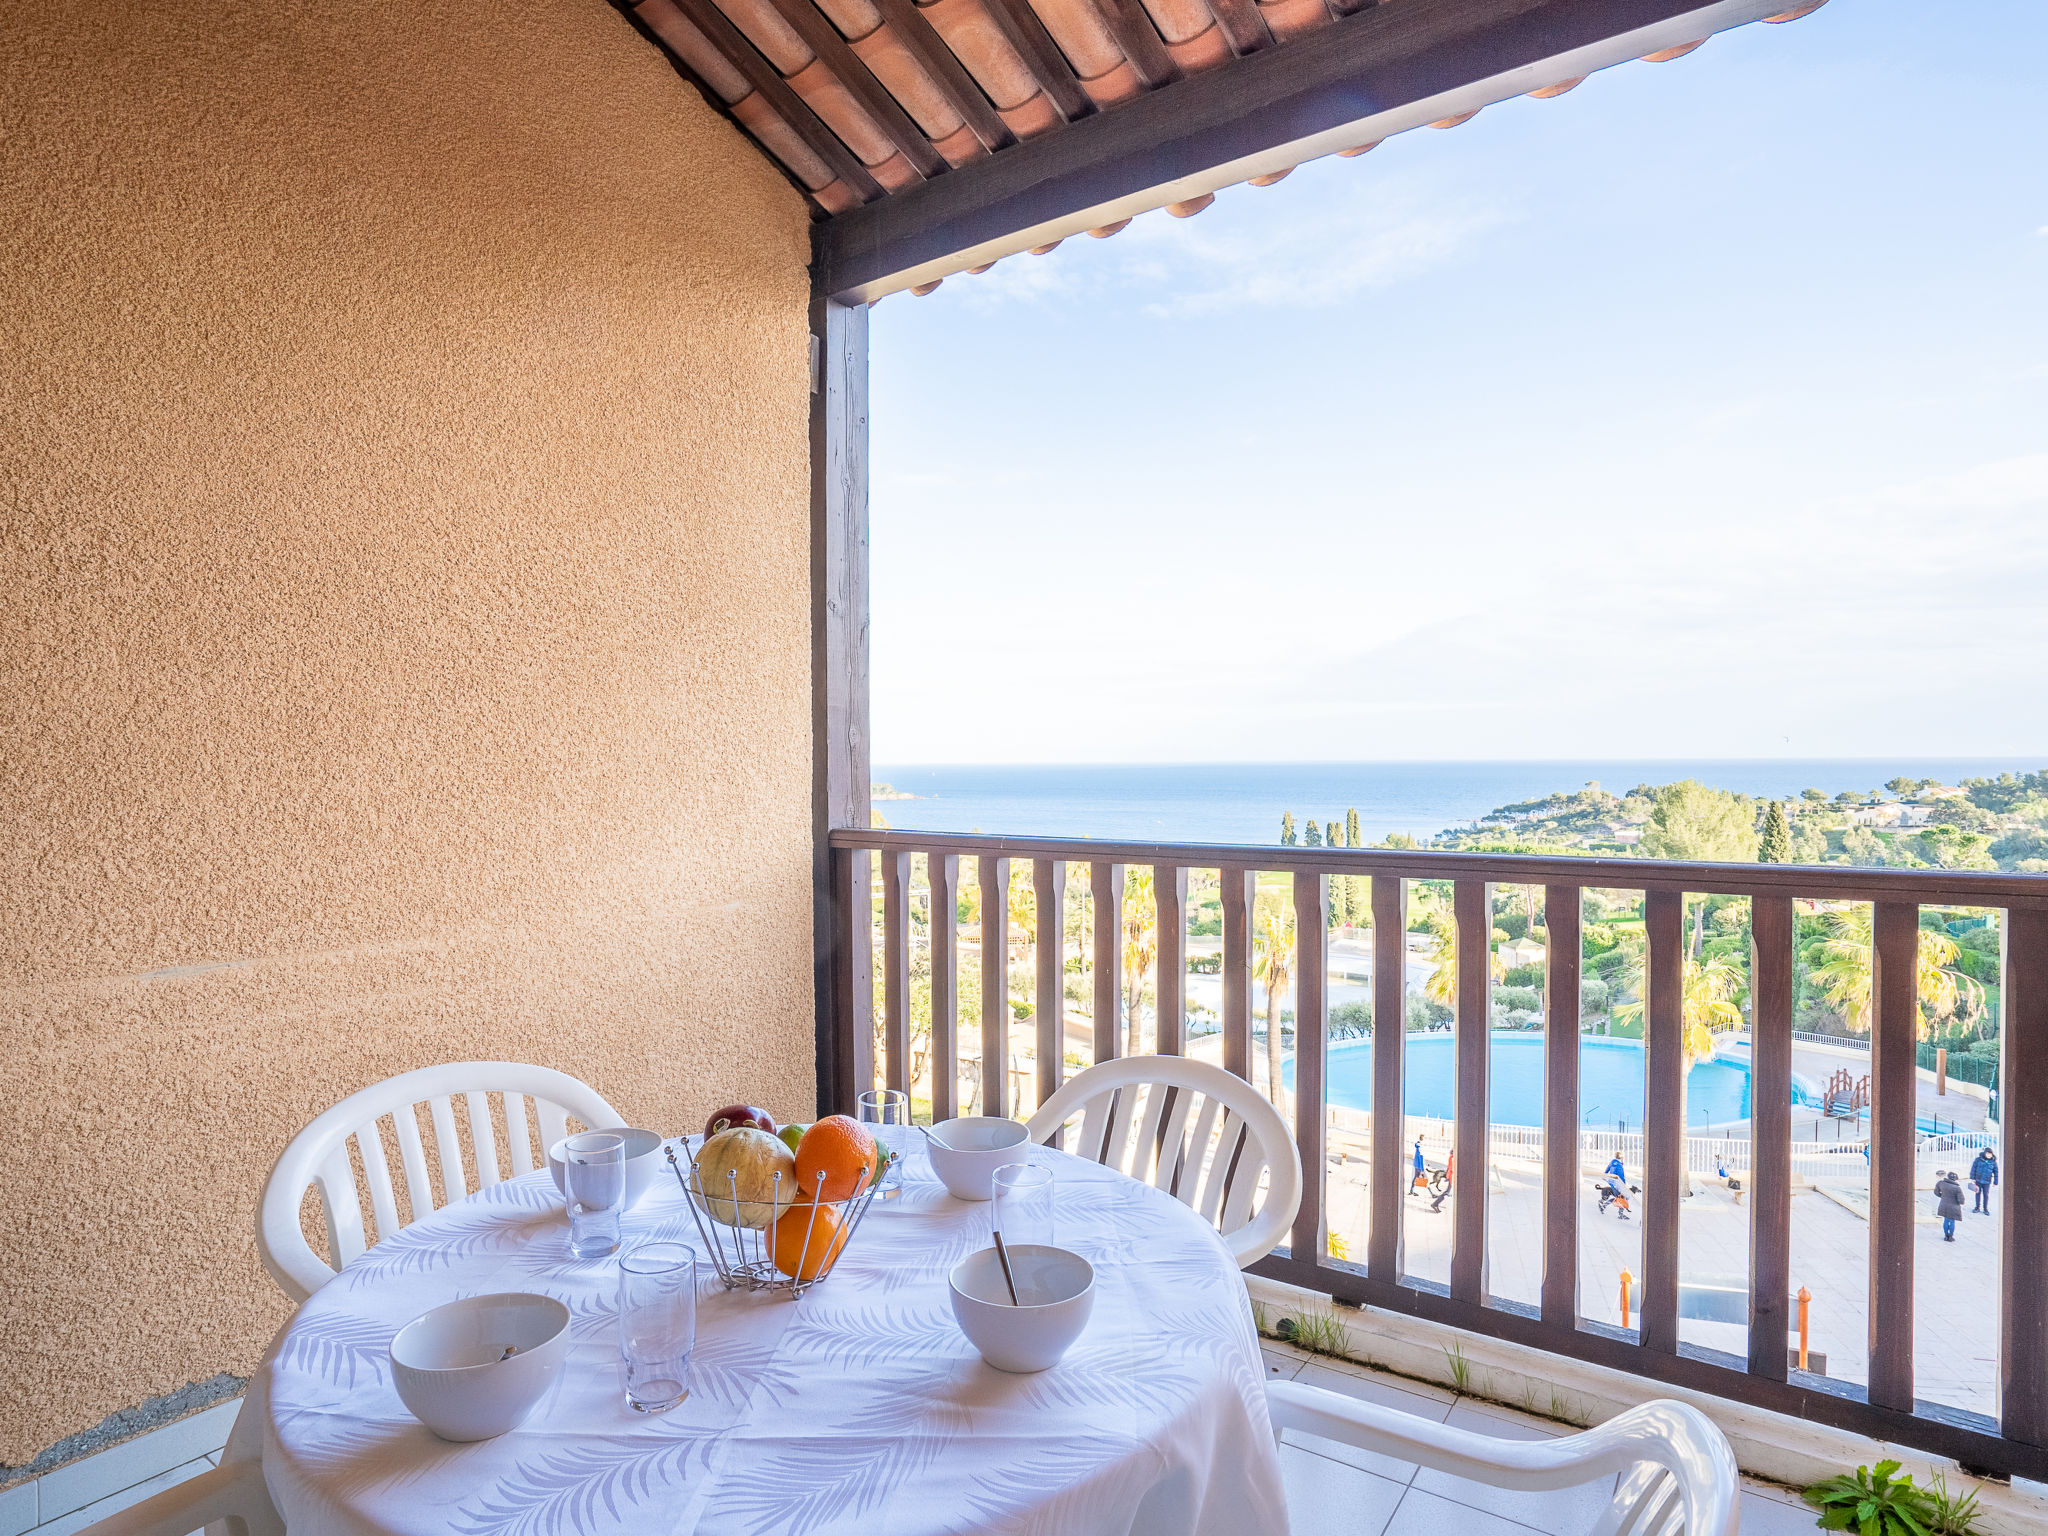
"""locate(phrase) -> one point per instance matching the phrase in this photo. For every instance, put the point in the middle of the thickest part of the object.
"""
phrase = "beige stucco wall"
(403, 650)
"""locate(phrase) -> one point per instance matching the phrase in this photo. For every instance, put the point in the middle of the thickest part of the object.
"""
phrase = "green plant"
(1875, 1501)
(1261, 1323)
(1954, 1514)
(1461, 1368)
(1317, 1332)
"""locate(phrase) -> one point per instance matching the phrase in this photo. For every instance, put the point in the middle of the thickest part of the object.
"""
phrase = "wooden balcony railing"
(2014, 1441)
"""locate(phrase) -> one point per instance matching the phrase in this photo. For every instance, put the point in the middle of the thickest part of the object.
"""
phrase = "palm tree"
(1273, 943)
(1845, 969)
(1708, 989)
(1141, 945)
(1443, 954)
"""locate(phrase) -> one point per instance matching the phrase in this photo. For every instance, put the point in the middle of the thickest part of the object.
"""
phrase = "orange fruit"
(806, 1240)
(836, 1157)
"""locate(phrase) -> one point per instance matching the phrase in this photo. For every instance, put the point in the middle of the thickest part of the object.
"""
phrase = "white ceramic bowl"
(976, 1146)
(450, 1367)
(1057, 1292)
(643, 1161)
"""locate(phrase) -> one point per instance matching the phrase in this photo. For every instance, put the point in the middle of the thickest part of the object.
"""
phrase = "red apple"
(739, 1116)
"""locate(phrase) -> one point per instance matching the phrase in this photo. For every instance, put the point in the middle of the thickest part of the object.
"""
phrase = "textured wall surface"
(403, 649)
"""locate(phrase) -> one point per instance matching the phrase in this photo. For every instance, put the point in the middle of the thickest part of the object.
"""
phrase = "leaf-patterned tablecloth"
(858, 1408)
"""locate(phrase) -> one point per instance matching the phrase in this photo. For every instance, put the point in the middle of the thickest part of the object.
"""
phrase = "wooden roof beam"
(1023, 31)
(824, 39)
(924, 44)
(790, 107)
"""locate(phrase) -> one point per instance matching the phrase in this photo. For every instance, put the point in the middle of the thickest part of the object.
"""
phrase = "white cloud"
(1996, 486)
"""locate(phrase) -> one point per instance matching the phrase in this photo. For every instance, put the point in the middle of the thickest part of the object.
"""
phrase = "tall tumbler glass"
(1022, 1205)
(594, 1169)
(657, 1323)
(886, 1114)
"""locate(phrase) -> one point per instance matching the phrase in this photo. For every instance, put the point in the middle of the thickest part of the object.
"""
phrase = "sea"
(1243, 802)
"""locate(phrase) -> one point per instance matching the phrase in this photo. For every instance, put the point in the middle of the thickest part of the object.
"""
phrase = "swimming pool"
(1610, 1081)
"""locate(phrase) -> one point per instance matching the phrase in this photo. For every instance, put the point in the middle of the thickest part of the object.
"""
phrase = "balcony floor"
(1336, 1488)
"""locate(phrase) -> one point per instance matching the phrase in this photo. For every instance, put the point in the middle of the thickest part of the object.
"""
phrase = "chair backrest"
(1678, 1474)
(1203, 1135)
(319, 1156)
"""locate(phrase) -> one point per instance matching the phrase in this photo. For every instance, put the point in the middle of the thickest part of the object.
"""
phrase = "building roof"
(864, 101)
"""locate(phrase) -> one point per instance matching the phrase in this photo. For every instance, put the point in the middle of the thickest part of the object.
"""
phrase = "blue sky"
(1702, 411)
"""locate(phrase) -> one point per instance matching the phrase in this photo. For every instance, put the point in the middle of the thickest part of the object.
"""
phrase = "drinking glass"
(594, 1169)
(657, 1323)
(1022, 1205)
(886, 1114)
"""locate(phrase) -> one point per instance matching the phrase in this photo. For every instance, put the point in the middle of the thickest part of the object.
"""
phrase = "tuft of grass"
(1461, 1368)
(1558, 1406)
(1954, 1514)
(1529, 1398)
(1320, 1333)
(1261, 1322)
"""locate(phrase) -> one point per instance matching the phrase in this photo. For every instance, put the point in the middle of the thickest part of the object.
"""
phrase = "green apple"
(792, 1134)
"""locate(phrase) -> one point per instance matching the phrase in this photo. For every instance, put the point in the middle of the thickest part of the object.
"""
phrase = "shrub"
(1424, 1010)
(1510, 999)
(1524, 976)
(1353, 1018)
(1595, 996)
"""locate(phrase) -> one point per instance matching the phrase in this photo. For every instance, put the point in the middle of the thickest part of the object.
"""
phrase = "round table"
(859, 1407)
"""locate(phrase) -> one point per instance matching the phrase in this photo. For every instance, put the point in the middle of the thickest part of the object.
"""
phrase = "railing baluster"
(2023, 1180)
(1389, 1025)
(1770, 1134)
(896, 967)
(1473, 909)
(943, 876)
(1170, 894)
(1560, 1296)
(1240, 893)
(1663, 1114)
(1049, 892)
(1894, 1107)
(995, 986)
(1311, 1037)
(1106, 892)
(853, 982)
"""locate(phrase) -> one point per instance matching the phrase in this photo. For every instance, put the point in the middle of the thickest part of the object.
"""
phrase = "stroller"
(1609, 1195)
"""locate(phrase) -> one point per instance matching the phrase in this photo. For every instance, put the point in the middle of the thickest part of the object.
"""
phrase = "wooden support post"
(853, 1003)
(1049, 1001)
(1894, 1106)
(1311, 1037)
(1473, 905)
(896, 967)
(1664, 1181)
(995, 986)
(1770, 1141)
(943, 877)
(1170, 896)
(1106, 895)
(1240, 893)
(839, 695)
(1389, 1024)
(2022, 1195)
(1560, 1295)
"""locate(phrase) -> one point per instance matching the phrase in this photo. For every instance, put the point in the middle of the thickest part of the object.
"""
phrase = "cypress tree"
(1331, 836)
(1312, 836)
(1287, 828)
(1775, 846)
(1356, 896)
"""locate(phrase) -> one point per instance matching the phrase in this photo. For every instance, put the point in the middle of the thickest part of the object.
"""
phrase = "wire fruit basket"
(746, 1257)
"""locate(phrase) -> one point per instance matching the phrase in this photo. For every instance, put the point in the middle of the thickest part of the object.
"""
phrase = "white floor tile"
(1372, 1389)
(78, 1519)
(1425, 1514)
(1563, 1509)
(1762, 1516)
(18, 1509)
(92, 1478)
(1279, 1366)
(1329, 1498)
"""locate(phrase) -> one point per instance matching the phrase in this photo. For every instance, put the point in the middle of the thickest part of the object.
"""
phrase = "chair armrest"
(234, 1495)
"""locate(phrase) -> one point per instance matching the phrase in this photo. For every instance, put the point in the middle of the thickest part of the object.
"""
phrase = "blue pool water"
(1610, 1081)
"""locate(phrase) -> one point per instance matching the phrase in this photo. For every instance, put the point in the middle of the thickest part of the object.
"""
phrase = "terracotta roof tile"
(936, 84)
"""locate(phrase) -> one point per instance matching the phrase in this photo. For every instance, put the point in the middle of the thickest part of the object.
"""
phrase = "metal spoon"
(944, 1145)
(1003, 1258)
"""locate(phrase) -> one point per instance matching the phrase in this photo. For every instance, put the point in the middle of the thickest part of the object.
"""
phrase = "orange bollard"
(1805, 1300)
(1626, 1278)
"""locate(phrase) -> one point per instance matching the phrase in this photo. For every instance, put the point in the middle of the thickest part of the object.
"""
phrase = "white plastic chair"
(319, 1155)
(229, 1500)
(1679, 1477)
(1203, 1135)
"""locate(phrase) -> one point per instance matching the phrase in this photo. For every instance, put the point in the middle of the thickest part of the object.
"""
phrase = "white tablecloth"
(859, 1408)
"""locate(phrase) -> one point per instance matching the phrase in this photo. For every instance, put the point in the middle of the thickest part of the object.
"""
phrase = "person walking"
(1421, 1177)
(1949, 1197)
(1450, 1178)
(1983, 1174)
